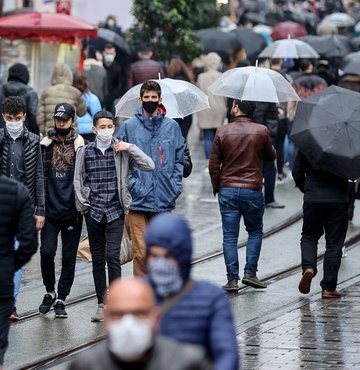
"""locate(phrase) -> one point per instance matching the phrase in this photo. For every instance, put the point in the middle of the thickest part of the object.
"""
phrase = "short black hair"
(103, 114)
(150, 86)
(109, 45)
(276, 61)
(304, 64)
(246, 107)
(13, 105)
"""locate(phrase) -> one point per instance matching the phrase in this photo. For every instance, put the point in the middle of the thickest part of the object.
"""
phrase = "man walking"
(16, 221)
(236, 170)
(161, 139)
(20, 159)
(59, 150)
(325, 209)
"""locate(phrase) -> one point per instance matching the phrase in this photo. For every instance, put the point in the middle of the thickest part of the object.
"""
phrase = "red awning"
(52, 27)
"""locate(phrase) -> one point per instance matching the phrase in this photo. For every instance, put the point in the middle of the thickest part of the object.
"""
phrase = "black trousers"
(279, 144)
(331, 218)
(105, 242)
(70, 236)
(6, 307)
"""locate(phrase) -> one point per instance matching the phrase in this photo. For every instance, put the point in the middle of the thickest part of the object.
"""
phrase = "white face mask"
(105, 135)
(109, 58)
(130, 337)
(14, 128)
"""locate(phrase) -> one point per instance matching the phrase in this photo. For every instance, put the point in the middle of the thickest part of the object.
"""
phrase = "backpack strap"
(171, 301)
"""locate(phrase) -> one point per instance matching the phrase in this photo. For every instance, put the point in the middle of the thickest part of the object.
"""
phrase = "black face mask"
(62, 131)
(150, 106)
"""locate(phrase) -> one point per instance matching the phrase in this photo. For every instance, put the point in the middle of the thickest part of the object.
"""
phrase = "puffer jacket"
(30, 96)
(161, 139)
(61, 91)
(201, 315)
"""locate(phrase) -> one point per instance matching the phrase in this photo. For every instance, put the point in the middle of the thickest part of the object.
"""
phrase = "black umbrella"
(351, 64)
(329, 46)
(355, 43)
(253, 43)
(223, 43)
(255, 18)
(327, 131)
(108, 36)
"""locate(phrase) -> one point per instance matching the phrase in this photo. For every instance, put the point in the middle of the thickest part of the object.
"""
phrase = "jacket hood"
(62, 75)
(15, 88)
(173, 233)
(19, 72)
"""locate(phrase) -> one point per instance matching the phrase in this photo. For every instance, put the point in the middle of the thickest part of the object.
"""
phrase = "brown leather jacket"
(237, 155)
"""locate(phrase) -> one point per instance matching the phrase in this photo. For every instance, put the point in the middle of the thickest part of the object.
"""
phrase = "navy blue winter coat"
(202, 316)
(160, 138)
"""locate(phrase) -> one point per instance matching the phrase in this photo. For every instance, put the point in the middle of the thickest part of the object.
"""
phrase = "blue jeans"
(209, 134)
(234, 203)
(17, 276)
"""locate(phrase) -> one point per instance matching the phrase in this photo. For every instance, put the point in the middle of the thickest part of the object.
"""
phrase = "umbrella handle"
(159, 76)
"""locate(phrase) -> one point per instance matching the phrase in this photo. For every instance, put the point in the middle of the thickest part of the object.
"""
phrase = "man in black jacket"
(20, 159)
(325, 209)
(17, 85)
(16, 221)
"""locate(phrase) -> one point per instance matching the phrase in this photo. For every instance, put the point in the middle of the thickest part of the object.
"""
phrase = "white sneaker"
(99, 315)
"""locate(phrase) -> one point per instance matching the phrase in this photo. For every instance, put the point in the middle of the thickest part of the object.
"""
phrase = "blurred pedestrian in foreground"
(195, 312)
(93, 105)
(20, 159)
(210, 119)
(17, 85)
(61, 90)
(236, 171)
(131, 320)
(16, 222)
(145, 68)
(59, 149)
(325, 209)
(160, 138)
(102, 194)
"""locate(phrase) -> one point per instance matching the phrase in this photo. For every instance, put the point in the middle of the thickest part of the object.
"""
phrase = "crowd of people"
(66, 162)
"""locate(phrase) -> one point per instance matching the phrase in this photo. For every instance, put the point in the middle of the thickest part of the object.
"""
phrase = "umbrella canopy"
(351, 64)
(222, 43)
(105, 35)
(355, 43)
(329, 46)
(255, 84)
(289, 48)
(283, 30)
(180, 98)
(53, 27)
(251, 41)
(327, 131)
(340, 19)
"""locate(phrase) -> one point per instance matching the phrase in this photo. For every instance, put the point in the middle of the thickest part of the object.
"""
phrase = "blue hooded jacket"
(161, 139)
(202, 316)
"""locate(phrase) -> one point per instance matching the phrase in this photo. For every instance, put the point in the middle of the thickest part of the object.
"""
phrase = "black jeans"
(269, 181)
(70, 236)
(105, 242)
(331, 218)
(6, 307)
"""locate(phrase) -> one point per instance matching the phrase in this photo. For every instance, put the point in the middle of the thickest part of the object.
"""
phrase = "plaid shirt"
(101, 172)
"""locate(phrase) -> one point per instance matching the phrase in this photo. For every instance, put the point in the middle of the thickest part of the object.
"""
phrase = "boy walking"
(59, 149)
(101, 191)
(20, 159)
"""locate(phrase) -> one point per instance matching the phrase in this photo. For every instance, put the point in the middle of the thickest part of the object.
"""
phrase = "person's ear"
(94, 130)
(24, 116)
(160, 100)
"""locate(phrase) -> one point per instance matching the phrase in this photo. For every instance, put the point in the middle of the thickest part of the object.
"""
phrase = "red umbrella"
(51, 27)
(283, 29)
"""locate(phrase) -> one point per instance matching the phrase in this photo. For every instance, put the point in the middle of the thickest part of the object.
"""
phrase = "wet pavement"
(277, 327)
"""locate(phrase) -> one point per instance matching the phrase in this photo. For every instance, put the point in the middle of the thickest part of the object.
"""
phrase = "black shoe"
(59, 308)
(274, 205)
(46, 304)
(231, 286)
(253, 281)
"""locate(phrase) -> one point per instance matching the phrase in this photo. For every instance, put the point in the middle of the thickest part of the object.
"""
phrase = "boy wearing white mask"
(101, 193)
(20, 159)
(59, 150)
(131, 319)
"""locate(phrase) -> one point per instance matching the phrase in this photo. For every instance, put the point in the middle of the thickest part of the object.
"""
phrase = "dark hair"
(246, 107)
(103, 114)
(276, 61)
(304, 64)
(81, 82)
(109, 45)
(19, 72)
(150, 86)
(13, 105)
(178, 68)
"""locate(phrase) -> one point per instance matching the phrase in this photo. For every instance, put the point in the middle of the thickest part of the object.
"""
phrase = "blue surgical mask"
(165, 276)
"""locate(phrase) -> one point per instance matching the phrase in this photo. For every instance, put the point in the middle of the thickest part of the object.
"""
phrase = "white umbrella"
(180, 98)
(340, 19)
(289, 48)
(254, 84)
